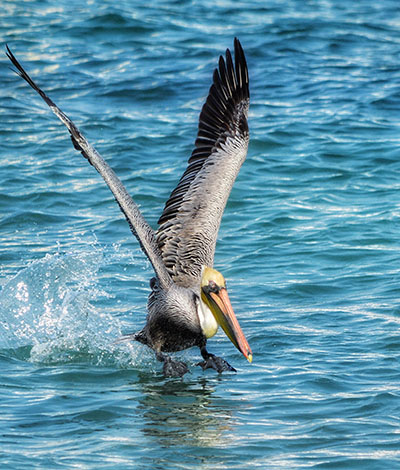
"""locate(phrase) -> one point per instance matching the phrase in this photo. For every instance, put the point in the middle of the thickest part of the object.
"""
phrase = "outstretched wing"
(191, 218)
(140, 228)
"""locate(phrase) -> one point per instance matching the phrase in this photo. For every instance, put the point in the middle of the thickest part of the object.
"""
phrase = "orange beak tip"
(250, 358)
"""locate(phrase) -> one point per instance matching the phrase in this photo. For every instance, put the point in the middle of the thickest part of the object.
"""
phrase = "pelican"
(188, 299)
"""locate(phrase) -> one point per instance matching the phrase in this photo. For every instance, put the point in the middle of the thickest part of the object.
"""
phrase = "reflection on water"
(176, 412)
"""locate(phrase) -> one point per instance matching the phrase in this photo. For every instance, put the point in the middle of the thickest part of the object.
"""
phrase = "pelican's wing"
(140, 228)
(191, 218)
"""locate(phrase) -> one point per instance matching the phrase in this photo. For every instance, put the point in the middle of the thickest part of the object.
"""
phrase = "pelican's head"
(215, 296)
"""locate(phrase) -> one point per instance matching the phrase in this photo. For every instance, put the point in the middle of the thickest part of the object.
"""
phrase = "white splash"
(47, 309)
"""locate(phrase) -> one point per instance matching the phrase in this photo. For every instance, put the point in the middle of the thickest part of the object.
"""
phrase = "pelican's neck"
(208, 322)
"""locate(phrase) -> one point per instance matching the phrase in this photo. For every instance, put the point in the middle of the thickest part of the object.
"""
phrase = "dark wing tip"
(227, 103)
(76, 136)
(8, 52)
(11, 56)
(228, 96)
(20, 71)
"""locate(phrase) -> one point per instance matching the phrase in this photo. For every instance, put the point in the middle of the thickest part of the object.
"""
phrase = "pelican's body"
(188, 299)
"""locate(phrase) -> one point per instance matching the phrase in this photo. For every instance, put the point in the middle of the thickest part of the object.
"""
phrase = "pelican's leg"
(172, 368)
(214, 362)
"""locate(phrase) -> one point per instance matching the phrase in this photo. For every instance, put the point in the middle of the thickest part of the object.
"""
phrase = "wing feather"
(139, 227)
(190, 221)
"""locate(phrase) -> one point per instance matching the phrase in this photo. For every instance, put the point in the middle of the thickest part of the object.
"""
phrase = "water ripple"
(308, 243)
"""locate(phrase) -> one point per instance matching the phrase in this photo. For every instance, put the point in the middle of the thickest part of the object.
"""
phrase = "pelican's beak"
(222, 310)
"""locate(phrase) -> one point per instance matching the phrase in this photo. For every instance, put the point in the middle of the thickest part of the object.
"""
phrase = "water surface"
(309, 242)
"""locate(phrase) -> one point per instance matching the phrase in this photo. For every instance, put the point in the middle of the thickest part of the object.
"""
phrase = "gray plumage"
(185, 240)
(191, 218)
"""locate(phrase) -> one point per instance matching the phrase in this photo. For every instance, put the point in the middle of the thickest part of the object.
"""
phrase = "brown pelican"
(188, 299)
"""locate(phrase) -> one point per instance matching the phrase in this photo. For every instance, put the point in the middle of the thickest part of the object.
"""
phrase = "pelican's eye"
(213, 287)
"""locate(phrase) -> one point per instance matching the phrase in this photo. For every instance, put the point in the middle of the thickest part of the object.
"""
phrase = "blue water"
(309, 243)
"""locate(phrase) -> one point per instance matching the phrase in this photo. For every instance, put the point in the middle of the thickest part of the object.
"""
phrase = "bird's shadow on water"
(185, 411)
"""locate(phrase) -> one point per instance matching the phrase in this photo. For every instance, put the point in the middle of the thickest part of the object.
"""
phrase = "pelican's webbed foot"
(172, 368)
(214, 362)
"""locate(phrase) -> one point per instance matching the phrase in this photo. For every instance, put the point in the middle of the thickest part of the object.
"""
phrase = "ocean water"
(309, 242)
